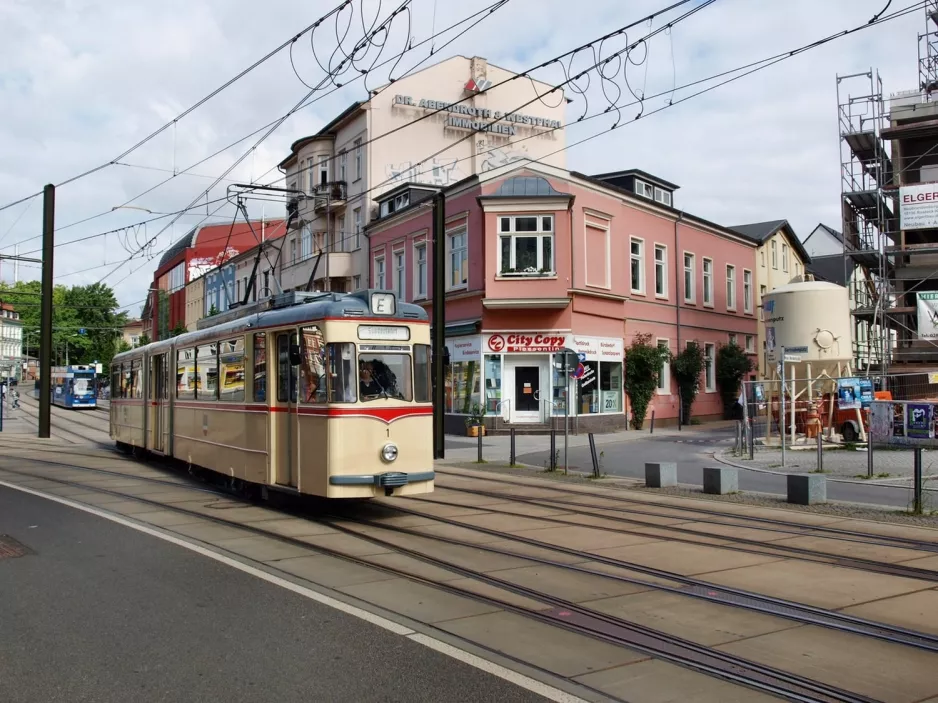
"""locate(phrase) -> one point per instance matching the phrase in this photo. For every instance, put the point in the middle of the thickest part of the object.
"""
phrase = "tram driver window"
(384, 376)
(340, 382)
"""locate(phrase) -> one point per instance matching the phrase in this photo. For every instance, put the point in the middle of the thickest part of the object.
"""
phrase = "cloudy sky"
(81, 81)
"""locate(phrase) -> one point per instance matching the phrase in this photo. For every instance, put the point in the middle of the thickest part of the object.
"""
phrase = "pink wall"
(592, 259)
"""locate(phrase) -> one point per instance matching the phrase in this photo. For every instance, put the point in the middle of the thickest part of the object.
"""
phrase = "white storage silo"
(811, 320)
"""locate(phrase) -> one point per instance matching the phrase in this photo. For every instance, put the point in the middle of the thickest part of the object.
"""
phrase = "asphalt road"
(103, 613)
(692, 450)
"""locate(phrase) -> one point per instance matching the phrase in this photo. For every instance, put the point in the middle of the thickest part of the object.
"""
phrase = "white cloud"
(80, 81)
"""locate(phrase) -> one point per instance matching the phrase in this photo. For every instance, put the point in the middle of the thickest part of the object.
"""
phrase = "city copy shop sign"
(505, 342)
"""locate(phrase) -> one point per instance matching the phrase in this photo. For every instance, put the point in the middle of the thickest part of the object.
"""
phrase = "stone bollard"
(807, 489)
(660, 475)
(720, 480)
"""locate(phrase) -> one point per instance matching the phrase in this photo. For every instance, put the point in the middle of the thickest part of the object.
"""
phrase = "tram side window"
(283, 367)
(206, 384)
(185, 374)
(115, 380)
(231, 369)
(260, 367)
(127, 382)
(422, 373)
(340, 381)
(136, 391)
(313, 377)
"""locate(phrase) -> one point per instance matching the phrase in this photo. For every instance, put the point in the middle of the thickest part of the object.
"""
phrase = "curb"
(754, 469)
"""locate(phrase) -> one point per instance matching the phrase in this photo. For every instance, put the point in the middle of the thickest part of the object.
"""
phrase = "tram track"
(562, 613)
(812, 530)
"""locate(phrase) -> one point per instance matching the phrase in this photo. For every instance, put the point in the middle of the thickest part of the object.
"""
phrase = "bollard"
(917, 468)
(481, 427)
(820, 453)
(553, 448)
(869, 457)
(512, 456)
(593, 454)
(652, 429)
(807, 489)
(752, 441)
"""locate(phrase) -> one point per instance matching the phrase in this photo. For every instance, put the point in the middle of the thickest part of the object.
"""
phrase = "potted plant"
(475, 423)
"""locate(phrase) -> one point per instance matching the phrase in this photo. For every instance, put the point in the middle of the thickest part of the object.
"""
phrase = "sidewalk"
(16, 422)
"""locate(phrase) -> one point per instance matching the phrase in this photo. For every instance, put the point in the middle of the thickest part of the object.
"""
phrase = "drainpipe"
(678, 280)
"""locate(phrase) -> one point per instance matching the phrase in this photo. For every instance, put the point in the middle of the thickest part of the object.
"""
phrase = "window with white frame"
(730, 287)
(420, 270)
(774, 254)
(785, 258)
(307, 177)
(379, 273)
(343, 164)
(356, 283)
(399, 274)
(644, 189)
(708, 281)
(747, 291)
(689, 279)
(664, 368)
(662, 196)
(323, 170)
(358, 158)
(292, 250)
(357, 225)
(306, 243)
(457, 263)
(661, 271)
(762, 257)
(637, 265)
(710, 353)
(526, 245)
(732, 338)
(750, 344)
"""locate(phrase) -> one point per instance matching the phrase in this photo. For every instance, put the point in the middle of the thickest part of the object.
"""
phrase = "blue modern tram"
(74, 386)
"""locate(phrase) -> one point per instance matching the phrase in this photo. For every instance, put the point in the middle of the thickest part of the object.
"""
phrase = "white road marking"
(525, 682)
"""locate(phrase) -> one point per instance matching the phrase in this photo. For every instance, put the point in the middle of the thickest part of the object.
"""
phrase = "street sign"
(581, 356)
(792, 358)
(82, 331)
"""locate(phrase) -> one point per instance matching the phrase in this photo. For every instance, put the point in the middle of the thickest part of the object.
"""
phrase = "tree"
(179, 329)
(212, 311)
(143, 340)
(642, 365)
(732, 364)
(687, 367)
(124, 346)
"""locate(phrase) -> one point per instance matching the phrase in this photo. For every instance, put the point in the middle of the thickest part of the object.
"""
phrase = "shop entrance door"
(527, 394)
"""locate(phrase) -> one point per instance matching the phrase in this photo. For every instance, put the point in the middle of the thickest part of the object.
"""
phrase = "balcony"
(329, 196)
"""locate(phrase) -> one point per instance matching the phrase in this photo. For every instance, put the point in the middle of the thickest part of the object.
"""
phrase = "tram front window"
(384, 376)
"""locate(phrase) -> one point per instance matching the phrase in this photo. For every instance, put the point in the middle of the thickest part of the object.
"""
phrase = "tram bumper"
(388, 480)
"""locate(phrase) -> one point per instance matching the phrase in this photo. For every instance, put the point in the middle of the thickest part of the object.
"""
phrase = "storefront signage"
(477, 118)
(587, 377)
(599, 348)
(918, 206)
(528, 342)
(465, 348)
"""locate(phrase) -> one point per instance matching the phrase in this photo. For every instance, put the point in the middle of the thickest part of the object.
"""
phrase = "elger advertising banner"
(918, 206)
(927, 304)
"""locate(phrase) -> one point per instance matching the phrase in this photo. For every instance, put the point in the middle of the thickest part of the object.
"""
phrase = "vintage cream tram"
(317, 393)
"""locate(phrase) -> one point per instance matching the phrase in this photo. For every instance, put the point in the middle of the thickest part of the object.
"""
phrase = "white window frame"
(733, 339)
(420, 271)
(662, 196)
(292, 250)
(750, 343)
(646, 190)
(730, 287)
(357, 224)
(324, 169)
(690, 292)
(774, 246)
(747, 291)
(707, 281)
(356, 282)
(380, 273)
(540, 234)
(306, 243)
(640, 258)
(784, 257)
(664, 378)
(400, 273)
(358, 158)
(343, 163)
(710, 361)
(762, 257)
(461, 231)
(661, 271)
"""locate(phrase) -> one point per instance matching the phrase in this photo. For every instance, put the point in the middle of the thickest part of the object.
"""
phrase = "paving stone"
(293, 527)
(491, 591)
(565, 584)
(923, 563)
(655, 681)
(739, 531)
(824, 585)
(691, 618)
(880, 670)
(262, 548)
(331, 571)
(585, 538)
(417, 601)
(413, 566)
(562, 652)
(914, 611)
(205, 531)
(685, 559)
(166, 518)
(465, 534)
(528, 509)
(346, 544)
(130, 507)
(852, 549)
(507, 523)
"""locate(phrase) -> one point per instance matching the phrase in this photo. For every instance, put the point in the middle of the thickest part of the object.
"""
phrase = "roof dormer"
(402, 197)
(643, 184)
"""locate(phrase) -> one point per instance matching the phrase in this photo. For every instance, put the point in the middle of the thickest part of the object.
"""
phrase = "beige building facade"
(460, 117)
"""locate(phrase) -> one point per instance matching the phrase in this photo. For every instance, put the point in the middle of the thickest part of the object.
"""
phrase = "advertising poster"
(918, 422)
(866, 392)
(848, 393)
(927, 308)
(898, 420)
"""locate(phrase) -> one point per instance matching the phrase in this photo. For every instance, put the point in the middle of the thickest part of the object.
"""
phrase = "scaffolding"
(928, 49)
(867, 208)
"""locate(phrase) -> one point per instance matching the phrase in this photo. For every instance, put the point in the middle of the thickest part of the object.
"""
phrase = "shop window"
(462, 387)
(560, 386)
(493, 383)
(526, 245)
(231, 370)
(260, 367)
(610, 386)
(588, 389)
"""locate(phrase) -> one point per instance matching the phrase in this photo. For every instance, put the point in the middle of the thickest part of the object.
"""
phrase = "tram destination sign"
(464, 116)
(384, 333)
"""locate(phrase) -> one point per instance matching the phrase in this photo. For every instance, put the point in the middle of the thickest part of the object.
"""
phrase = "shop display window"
(610, 386)
(463, 386)
(493, 383)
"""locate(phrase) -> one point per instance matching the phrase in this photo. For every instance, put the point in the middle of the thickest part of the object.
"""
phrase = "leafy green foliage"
(732, 364)
(92, 308)
(687, 367)
(212, 311)
(124, 346)
(179, 329)
(143, 340)
(642, 364)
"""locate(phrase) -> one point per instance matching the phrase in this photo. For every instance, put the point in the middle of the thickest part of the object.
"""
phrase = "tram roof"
(348, 306)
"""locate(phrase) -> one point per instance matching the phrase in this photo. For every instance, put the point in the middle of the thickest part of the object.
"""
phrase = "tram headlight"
(389, 452)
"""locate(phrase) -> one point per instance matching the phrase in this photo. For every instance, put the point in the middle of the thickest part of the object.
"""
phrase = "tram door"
(287, 431)
(159, 402)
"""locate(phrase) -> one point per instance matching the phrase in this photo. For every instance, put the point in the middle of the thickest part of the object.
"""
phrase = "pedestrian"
(15, 394)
